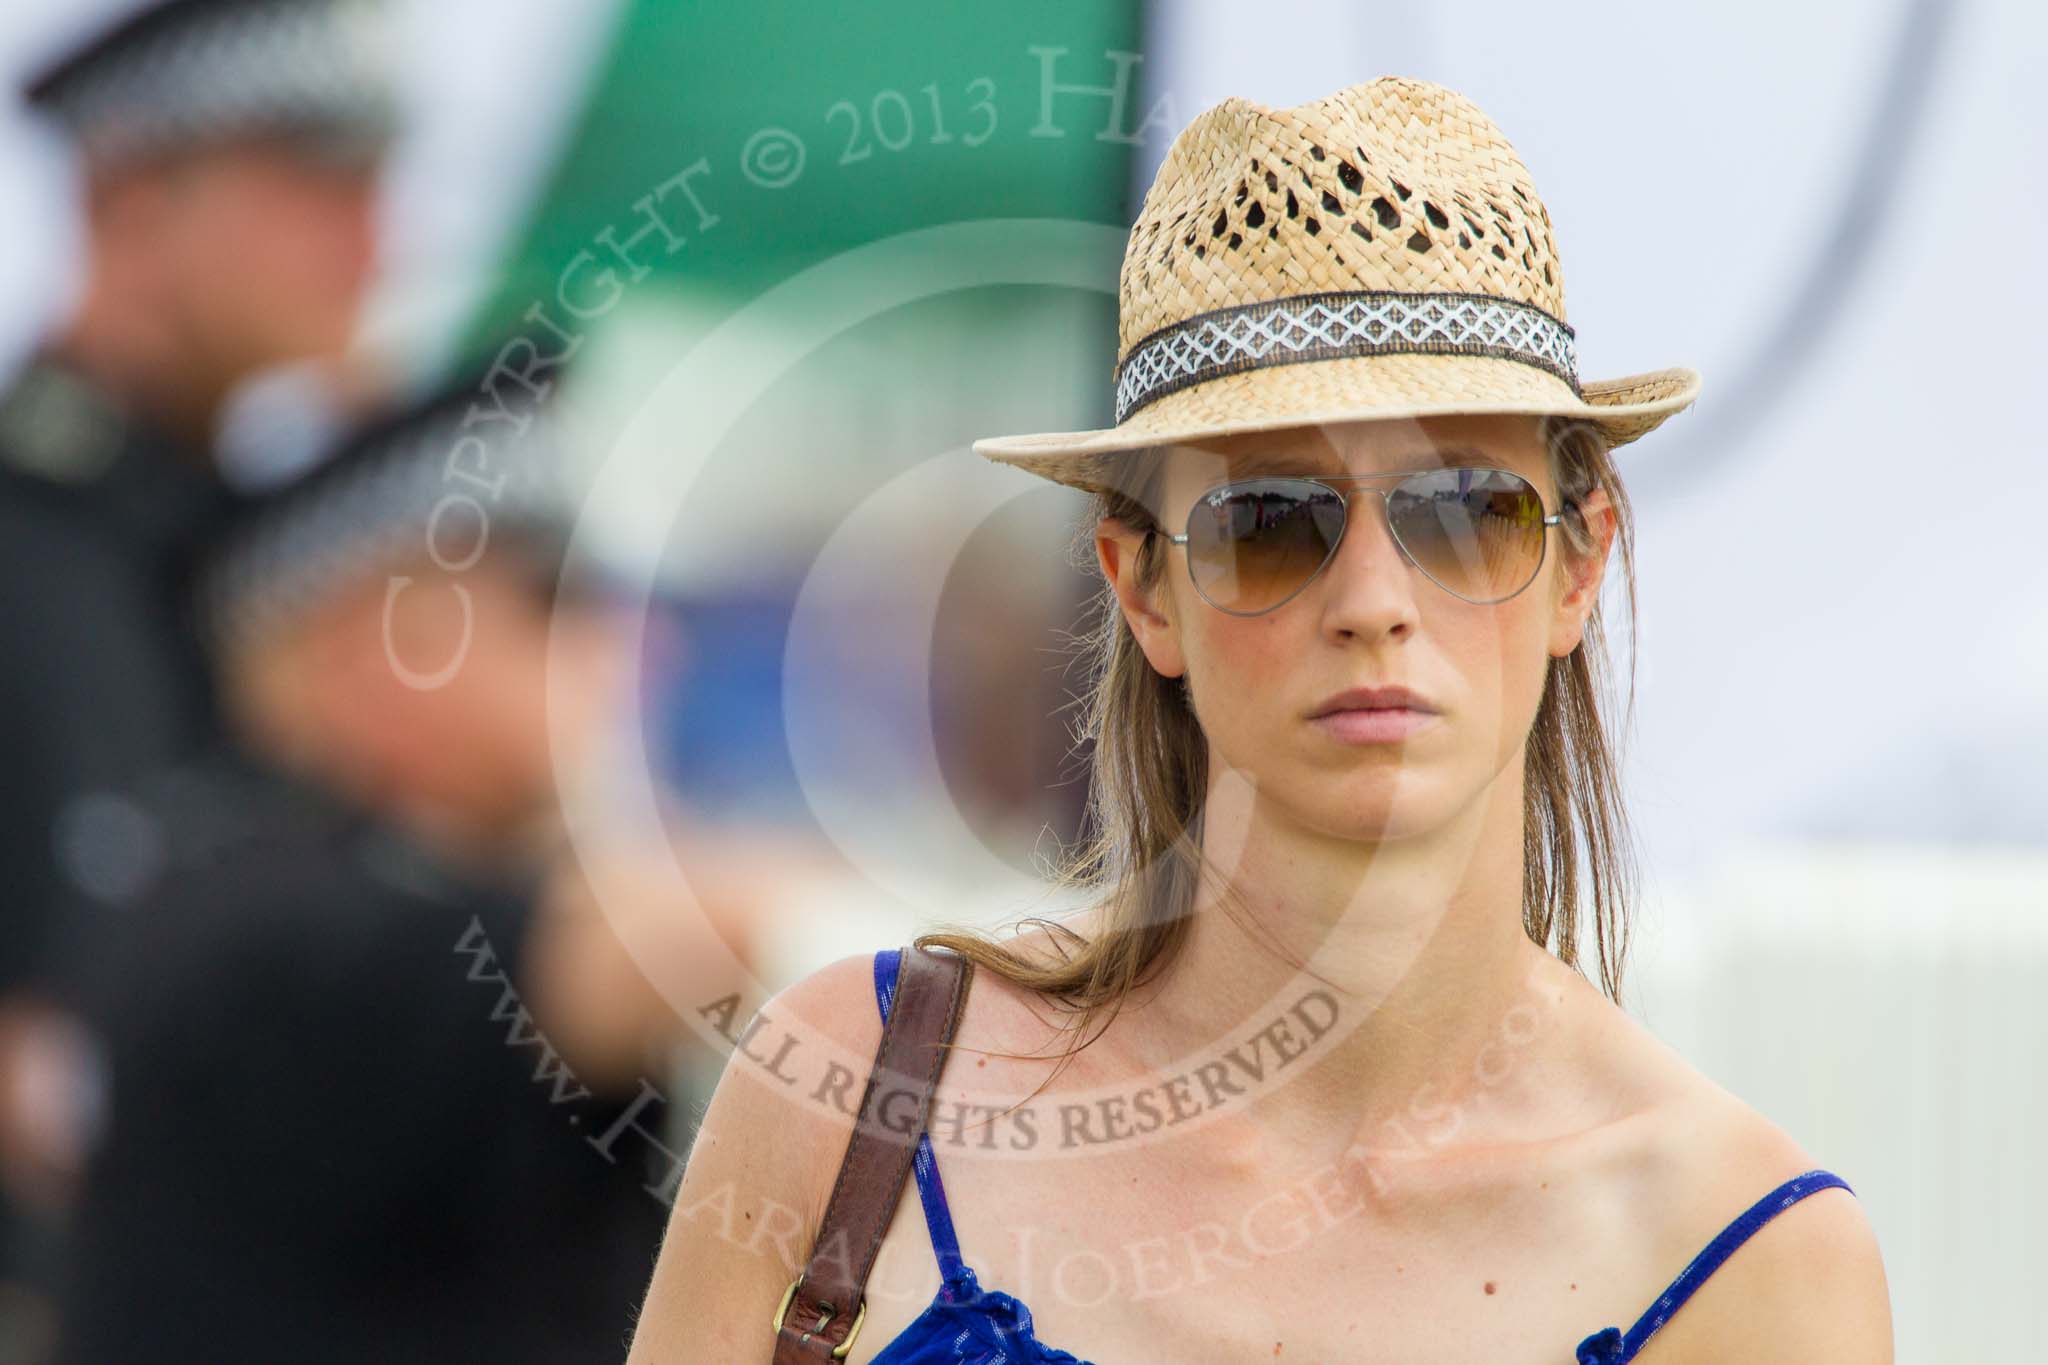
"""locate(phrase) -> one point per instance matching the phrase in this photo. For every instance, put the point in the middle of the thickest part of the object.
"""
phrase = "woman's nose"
(1370, 587)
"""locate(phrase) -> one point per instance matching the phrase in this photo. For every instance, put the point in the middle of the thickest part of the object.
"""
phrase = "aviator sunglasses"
(1478, 533)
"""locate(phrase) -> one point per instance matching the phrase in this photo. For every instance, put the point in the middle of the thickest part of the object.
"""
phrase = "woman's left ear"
(1582, 573)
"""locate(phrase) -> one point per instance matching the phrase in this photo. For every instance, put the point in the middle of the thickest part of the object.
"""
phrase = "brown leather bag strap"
(823, 1308)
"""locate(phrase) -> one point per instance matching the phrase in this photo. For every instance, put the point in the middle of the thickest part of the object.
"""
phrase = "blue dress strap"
(938, 1220)
(1611, 1346)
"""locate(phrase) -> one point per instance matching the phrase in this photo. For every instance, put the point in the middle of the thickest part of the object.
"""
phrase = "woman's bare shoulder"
(1687, 1160)
(761, 1166)
(801, 1065)
(1017, 1035)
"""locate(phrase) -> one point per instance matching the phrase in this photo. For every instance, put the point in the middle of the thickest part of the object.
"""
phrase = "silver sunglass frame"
(1344, 497)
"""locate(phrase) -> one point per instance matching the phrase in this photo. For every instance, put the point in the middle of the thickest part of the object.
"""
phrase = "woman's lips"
(1374, 725)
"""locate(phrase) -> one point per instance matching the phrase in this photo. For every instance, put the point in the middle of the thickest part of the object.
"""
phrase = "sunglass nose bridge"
(1386, 521)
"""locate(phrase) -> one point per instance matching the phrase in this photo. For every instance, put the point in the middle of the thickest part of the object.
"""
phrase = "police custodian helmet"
(177, 73)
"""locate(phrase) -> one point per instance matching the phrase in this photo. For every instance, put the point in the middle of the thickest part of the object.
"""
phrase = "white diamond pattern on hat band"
(1340, 325)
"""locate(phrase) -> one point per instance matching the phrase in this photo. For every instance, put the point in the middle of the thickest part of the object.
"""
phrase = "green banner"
(725, 147)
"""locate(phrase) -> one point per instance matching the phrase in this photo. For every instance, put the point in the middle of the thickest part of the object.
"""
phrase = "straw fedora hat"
(1380, 252)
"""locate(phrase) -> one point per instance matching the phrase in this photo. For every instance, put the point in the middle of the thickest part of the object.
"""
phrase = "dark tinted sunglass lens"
(1252, 545)
(1477, 532)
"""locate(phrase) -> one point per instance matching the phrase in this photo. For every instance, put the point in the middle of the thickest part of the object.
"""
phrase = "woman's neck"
(1432, 991)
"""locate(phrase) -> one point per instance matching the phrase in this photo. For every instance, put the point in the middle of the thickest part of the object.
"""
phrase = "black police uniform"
(99, 515)
(331, 1133)
(102, 520)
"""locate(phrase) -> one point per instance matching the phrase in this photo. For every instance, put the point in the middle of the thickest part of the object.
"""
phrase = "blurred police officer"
(227, 151)
(382, 1082)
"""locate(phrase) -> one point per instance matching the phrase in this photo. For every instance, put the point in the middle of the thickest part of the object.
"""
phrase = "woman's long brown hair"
(1139, 853)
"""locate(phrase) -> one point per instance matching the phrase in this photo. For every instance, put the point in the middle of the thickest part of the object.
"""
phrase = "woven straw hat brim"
(1356, 388)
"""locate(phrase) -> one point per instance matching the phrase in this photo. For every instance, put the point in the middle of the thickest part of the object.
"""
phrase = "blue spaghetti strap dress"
(968, 1325)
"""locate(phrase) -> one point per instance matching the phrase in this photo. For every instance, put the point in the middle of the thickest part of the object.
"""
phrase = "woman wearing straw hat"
(1319, 1076)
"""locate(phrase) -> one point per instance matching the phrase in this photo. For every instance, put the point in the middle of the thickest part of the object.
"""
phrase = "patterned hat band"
(1390, 219)
(1340, 325)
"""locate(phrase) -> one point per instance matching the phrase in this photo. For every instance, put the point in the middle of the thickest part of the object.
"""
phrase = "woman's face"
(1370, 619)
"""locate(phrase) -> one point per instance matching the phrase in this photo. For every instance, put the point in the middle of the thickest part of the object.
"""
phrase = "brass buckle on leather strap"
(827, 1314)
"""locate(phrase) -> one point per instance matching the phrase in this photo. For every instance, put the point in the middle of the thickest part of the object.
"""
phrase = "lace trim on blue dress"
(973, 1326)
